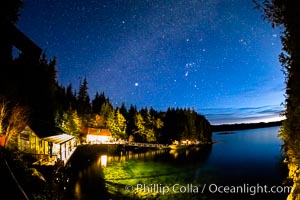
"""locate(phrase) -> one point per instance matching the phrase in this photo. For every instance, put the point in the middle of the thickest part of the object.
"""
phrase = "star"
(168, 46)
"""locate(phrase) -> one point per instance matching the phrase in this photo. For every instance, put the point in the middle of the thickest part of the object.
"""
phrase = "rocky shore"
(293, 175)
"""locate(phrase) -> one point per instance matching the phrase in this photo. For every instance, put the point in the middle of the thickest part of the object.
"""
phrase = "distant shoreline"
(243, 126)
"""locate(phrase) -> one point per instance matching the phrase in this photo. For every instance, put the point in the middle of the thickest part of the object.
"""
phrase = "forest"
(140, 125)
(29, 82)
(244, 126)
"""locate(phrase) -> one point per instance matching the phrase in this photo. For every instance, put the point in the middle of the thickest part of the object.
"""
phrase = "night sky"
(218, 57)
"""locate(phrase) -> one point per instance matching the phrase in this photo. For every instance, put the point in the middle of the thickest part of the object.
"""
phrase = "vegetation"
(12, 122)
(144, 125)
(243, 126)
(286, 14)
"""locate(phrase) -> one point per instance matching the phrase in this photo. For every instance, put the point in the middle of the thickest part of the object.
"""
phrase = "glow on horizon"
(263, 119)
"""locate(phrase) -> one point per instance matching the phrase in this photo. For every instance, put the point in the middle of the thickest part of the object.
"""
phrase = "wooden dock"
(149, 145)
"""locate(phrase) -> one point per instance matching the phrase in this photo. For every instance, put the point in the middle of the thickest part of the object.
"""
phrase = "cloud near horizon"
(218, 116)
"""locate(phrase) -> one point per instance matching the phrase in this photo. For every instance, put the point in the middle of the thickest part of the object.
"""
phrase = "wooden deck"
(46, 160)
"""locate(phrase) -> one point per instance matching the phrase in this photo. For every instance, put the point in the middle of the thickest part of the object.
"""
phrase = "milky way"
(217, 57)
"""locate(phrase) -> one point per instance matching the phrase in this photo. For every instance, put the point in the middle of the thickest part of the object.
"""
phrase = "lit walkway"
(154, 145)
(137, 144)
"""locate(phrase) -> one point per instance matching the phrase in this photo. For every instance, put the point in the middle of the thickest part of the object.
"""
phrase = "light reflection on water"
(104, 172)
(103, 160)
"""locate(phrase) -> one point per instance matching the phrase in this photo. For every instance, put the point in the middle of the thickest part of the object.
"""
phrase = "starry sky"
(218, 57)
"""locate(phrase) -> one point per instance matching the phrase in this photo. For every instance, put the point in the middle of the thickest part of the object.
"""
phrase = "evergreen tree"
(140, 131)
(10, 11)
(286, 14)
(172, 126)
(83, 105)
(123, 110)
(83, 99)
(97, 102)
(116, 123)
(184, 124)
(130, 119)
(106, 109)
(70, 97)
(71, 123)
(34, 84)
(150, 127)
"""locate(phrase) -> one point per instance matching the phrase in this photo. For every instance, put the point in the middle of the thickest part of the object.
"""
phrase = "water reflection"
(174, 153)
(103, 160)
(106, 171)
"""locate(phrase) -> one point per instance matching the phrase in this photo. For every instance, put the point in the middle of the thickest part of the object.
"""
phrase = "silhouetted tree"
(123, 110)
(130, 120)
(185, 124)
(70, 97)
(10, 11)
(83, 106)
(97, 102)
(34, 84)
(286, 14)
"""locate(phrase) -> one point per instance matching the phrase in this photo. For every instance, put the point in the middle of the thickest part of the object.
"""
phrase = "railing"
(137, 144)
(134, 144)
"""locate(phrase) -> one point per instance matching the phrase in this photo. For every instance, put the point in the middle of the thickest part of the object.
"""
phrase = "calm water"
(243, 161)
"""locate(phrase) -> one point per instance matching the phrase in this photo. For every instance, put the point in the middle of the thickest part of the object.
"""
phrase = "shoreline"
(293, 175)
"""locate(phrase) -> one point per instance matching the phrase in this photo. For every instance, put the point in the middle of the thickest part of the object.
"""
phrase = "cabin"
(47, 150)
(61, 146)
(97, 135)
(29, 142)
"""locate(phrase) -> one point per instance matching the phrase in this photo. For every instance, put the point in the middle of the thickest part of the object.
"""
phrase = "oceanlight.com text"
(248, 189)
(209, 189)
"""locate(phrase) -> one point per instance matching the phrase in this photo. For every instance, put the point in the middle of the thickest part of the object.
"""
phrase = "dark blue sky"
(216, 56)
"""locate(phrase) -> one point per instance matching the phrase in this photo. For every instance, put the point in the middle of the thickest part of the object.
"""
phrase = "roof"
(22, 42)
(59, 139)
(105, 132)
(45, 129)
(96, 131)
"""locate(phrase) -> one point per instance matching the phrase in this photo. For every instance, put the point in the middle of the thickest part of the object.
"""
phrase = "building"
(47, 150)
(97, 135)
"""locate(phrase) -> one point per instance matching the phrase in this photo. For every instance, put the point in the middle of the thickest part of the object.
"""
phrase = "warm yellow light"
(77, 190)
(103, 160)
(174, 153)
